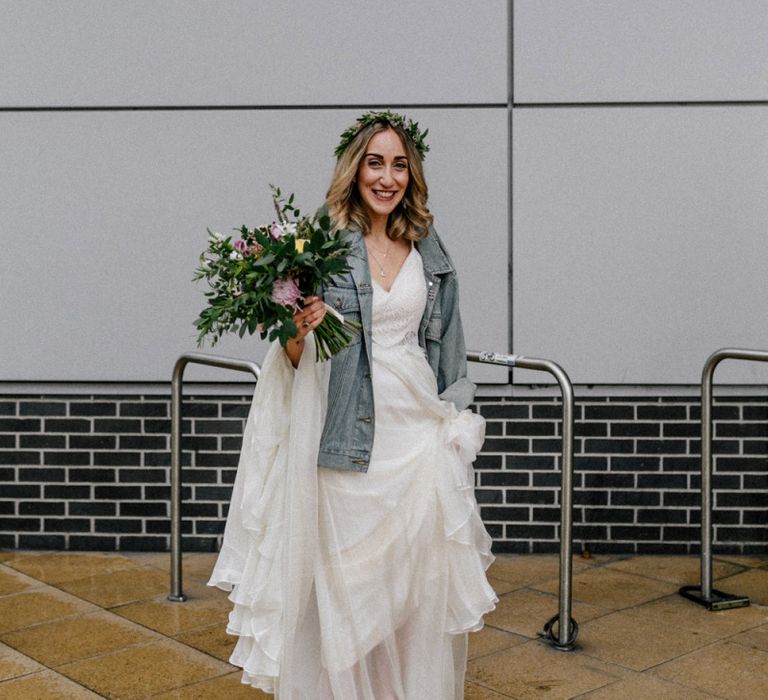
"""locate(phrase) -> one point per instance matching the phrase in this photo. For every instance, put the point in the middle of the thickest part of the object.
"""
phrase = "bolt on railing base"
(548, 633)
(718, 600)
(177, 598)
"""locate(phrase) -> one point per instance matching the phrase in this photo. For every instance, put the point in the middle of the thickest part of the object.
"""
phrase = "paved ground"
(99, 625)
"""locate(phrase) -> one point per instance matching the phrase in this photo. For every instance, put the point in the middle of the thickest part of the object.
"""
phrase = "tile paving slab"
(12, 581)
(535, 671)
(490, 639)
(213, 640)
(645, 687)
(613, 596)
(46, 685)
(229, 687)
(165, 665)
(752, 583)
(194, 567)
(756, 638)
(612, 589)
(205, 607)
(731, 671)
(753, 561)
(678, 570)
(14, 664)
(56, 567)
(472, 691)
(119, 587)
(21, 610)
(637, 642)
(687, 615)
(73, 638)
(525, 612)
(523, 570)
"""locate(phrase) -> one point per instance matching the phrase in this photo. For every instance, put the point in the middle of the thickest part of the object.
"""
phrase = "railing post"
(177, 595)
(568, 629)
(709, 597)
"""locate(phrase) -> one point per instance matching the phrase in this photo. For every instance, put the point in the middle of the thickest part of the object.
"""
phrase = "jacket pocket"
(434, 329)
(345, 301)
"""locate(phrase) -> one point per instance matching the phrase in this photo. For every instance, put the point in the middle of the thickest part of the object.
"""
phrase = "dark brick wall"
(92, 472)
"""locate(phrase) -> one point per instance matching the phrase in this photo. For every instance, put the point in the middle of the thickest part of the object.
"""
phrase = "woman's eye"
(401, 166)
(373, 163)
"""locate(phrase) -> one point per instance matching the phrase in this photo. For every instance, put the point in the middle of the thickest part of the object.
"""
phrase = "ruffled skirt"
(356, 586)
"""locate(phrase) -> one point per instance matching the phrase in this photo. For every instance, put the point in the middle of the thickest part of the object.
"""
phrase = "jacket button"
(367, 375)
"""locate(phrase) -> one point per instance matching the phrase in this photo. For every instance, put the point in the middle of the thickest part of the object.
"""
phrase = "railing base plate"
(177, 598)
(718, 601)
(548, 634)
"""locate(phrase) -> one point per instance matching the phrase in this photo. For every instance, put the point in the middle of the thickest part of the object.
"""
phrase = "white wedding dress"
(358, 586)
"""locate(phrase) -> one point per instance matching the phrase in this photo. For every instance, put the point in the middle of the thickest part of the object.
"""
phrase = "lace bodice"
(397, 313)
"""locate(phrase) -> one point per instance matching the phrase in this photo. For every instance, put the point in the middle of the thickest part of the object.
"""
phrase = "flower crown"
(410, 127)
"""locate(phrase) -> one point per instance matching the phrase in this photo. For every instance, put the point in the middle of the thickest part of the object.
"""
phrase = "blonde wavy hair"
(411, 218)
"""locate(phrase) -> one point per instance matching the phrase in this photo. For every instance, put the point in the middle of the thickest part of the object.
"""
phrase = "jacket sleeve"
(452, 368)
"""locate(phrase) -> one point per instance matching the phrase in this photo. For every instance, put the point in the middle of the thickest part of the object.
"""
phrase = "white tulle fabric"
(357, 586)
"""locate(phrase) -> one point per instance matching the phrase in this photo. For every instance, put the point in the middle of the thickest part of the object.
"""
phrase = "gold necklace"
(376, 259)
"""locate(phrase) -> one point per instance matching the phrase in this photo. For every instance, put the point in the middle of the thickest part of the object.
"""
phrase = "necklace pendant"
(382, 274)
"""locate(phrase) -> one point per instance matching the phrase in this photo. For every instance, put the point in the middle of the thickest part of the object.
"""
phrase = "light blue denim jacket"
(347, 436)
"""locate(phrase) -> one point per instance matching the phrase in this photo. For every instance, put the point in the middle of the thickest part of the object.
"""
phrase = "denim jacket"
(347, 437)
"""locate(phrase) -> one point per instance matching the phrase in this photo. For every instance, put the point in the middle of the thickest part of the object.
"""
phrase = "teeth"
(384, 195)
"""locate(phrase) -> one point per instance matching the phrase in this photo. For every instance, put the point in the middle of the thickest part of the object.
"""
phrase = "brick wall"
(92, 472)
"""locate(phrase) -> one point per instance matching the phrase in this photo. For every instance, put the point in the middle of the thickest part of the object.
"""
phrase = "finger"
(317, 316)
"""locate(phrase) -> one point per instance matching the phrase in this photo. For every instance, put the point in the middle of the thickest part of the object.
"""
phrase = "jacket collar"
(433, 256)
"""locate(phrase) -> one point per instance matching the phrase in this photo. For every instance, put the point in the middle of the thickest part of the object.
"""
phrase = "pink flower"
(242, 247)
(286, 292)
(277, 231)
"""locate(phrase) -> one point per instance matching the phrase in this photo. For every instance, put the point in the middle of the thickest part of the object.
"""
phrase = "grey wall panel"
(639, 240)
(104, 214)
(233, 52)
(655, 50)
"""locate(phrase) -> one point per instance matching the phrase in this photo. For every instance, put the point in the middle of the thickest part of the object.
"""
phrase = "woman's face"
(382, 176)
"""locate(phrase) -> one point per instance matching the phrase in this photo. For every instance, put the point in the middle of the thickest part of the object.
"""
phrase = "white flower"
(234, 255)
(216, 236)
(289, 228)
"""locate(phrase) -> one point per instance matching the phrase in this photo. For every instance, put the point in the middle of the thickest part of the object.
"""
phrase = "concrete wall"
(127, 129)
(638, 156)
(639, 209)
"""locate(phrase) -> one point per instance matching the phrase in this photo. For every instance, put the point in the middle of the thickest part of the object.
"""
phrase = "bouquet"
(258, 282)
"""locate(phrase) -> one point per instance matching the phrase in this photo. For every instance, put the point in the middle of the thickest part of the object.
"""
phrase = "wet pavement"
(98, 625)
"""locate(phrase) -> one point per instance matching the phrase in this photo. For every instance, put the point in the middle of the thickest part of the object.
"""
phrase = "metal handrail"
(708, 597)
(567, 633)
(566, 636)
(176, 595)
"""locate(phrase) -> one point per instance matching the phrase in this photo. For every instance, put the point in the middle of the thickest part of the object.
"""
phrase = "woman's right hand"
(306, 320)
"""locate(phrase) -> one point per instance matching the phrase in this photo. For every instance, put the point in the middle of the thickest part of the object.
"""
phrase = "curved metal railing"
(199, 358)
(565, 638)
(709, 597)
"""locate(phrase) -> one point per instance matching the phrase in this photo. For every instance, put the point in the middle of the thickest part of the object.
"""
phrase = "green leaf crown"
(410, 127)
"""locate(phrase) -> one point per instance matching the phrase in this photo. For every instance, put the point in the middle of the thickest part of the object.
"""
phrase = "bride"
(354, 551)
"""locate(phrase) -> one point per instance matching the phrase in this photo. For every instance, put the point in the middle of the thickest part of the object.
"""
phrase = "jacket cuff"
(461, 393)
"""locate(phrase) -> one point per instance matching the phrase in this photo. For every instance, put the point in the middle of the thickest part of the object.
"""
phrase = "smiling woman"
(354, 546)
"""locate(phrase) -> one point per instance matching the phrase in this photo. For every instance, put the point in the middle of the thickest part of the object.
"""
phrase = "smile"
(384, 195)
